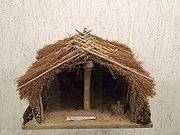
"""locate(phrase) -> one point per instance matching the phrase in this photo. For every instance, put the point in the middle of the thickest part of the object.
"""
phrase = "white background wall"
(151, 28)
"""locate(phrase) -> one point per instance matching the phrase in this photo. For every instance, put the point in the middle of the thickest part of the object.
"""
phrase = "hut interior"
(67, 91)
(85, 81)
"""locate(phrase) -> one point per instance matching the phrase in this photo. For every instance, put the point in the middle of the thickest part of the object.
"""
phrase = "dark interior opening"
(67, 90)
(107, 90)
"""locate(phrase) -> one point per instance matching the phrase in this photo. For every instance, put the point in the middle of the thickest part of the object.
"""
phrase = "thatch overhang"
(65, 54)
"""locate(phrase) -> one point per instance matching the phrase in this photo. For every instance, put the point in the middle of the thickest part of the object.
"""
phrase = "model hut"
(86, 72)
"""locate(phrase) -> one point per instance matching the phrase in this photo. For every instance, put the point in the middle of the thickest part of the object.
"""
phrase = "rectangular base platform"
(57, 120)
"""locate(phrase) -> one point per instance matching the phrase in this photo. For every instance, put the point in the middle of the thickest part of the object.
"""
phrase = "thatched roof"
(79, 48)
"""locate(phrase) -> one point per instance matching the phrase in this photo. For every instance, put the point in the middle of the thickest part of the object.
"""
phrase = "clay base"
(57, 119)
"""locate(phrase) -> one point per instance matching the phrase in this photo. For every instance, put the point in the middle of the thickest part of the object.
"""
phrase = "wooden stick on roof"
(50, 70)
(112, 61)
(84, 33)
(93, 52)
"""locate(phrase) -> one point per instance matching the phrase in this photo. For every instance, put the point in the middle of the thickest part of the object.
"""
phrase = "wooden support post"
(41, 107)
(87, 82)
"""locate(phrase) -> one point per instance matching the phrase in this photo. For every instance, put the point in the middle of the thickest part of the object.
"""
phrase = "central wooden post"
(87, 82)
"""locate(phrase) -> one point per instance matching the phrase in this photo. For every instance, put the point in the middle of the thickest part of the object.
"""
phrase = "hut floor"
(105, 119)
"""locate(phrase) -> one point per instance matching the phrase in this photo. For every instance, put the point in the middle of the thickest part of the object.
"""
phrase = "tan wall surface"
(151, 28)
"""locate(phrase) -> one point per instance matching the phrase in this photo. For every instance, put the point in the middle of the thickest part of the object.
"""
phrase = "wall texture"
(151, 28)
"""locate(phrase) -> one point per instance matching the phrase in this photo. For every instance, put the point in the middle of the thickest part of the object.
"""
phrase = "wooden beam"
(88, 36)
(84, 40)
(64, 61)
(79, 32)
(94, 52)
(87, 32)
(112, 46)
(99, 46)
(87, 82)
(83, 34)
(67, 45)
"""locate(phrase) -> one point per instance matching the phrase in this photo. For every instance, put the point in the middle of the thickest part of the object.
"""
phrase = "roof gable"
(81, 44)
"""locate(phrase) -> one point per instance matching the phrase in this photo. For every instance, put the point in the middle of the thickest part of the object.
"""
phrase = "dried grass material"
(140, 88)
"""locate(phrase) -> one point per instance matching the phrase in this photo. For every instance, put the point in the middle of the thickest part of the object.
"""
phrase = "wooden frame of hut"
(86, 48)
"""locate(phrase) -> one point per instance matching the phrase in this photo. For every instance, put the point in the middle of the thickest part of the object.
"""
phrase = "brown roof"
(79, 48)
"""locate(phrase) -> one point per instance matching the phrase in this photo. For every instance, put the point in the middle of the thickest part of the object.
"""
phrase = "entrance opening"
(67, 90)
(107, 90)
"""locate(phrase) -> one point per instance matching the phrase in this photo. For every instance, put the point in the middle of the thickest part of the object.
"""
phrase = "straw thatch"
(69, 52)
